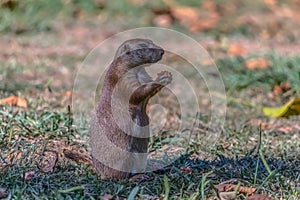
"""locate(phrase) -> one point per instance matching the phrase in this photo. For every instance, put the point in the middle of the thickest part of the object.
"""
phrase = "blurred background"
(60, 33)
(262, 18)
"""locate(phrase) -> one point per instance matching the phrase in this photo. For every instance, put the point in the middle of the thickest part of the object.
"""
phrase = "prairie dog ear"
(126, 49)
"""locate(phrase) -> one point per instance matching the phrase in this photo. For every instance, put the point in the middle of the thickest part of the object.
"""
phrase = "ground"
(44, 154)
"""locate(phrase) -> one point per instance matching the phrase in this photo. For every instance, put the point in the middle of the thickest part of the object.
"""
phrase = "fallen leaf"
(246, 190)
(290, 108)
(192, 18)
(277, 90)
(186, 15)
(29, 175)
(49, 161)
(3, 193)
(163, 20)
(78, 13)
(207, 21)
(77, 155)
(138, 177)
(257, 63)
(280, 89)
(270, 3)
(14, 101)
(285, 129)
(224, 187)
(264, 34)
(209, 5)
(235, 50)
(259, 197)
(68, 93)
(285, 86)
(186, 170)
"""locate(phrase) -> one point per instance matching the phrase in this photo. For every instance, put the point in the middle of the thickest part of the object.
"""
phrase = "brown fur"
(125, 81)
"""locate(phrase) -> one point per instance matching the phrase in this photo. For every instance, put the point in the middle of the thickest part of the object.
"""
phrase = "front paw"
(164, 77)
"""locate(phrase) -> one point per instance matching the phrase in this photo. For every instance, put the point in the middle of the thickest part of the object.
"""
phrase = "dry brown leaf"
(209, 5)
(270, 3)
(231, 187)
(277, 90)
(206, 21)
(29, 175)
(194, 19)
(77, 155)
(186, 170)
(138, 176)
(259, 197)
(49, 161)
(186, 15)
(3, 193)
(285, 86)
(286, 129)
(163, 20)
(264, 34)
(246, 190)
(14, 101)
(68, 93)
(257, 63)
(236, 50)
(225, 187)
(280, 89)
(78, 13)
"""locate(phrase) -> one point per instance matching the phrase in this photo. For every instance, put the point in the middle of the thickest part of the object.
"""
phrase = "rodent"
(119, 132)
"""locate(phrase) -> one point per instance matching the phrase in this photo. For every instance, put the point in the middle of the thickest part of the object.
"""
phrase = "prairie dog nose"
(161, 52)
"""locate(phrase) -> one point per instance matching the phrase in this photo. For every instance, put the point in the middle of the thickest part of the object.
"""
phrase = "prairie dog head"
(139, 51)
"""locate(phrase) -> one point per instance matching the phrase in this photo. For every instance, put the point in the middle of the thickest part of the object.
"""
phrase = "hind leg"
(107, 172)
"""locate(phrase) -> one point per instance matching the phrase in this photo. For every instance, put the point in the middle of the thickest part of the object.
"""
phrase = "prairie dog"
(119, 132)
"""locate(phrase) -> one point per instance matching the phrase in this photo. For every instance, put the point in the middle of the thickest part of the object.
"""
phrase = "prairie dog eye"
(147, 51)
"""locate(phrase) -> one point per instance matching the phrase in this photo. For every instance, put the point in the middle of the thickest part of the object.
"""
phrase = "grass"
(274, 170)
(28, 135)
(282, 69)
(30, 16)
